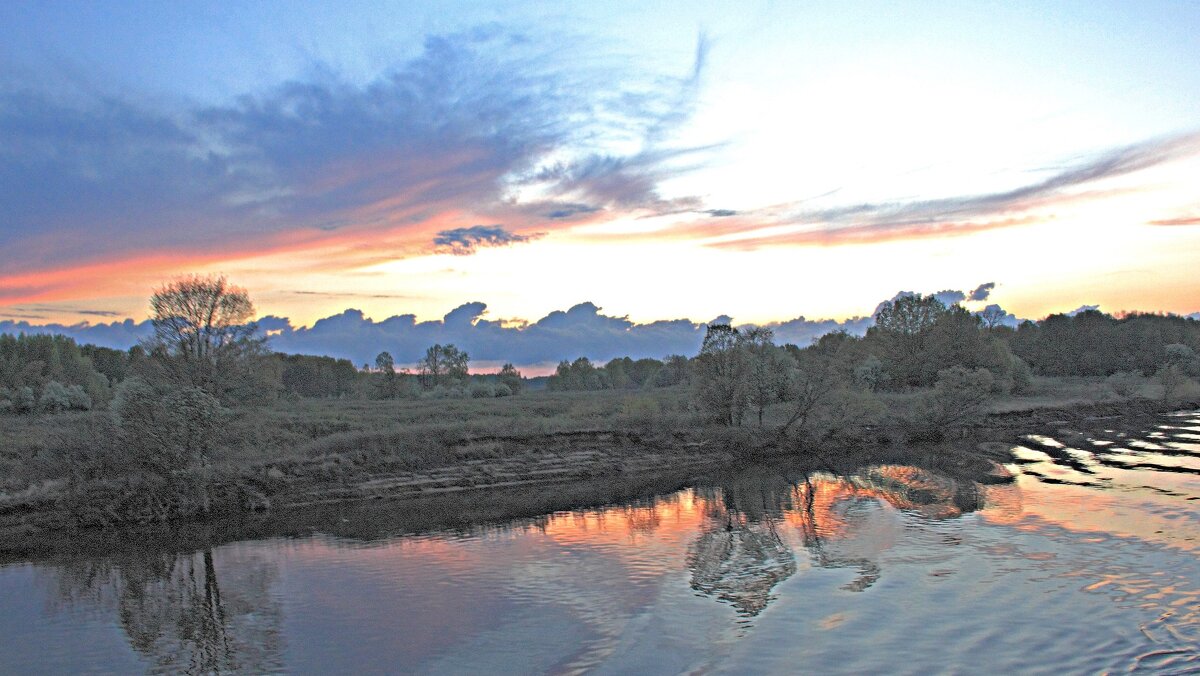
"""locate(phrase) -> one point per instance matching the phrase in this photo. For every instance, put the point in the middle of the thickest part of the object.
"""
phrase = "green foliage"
(959, 397)
(870, 373)
(1021, 376)
(1174, 381)
(165, 429)
(510, 378)
(318, 377)
(443, 366)
(54, 399)
(1093, 343)
(578, 375)
(901, 334)
(35, 361)
(720, 383)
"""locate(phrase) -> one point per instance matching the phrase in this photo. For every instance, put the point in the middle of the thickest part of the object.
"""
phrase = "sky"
(356, 163)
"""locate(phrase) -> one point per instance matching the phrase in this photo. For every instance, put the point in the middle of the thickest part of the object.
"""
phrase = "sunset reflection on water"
(1085, 562)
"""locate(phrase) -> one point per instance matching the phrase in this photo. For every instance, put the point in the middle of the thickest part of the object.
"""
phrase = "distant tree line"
(622, 373)
(948, 360)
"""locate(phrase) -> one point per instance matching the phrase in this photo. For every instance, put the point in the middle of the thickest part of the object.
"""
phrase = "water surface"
(1087, 562)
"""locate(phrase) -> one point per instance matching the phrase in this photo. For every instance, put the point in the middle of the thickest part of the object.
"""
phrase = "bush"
(1021, 375)
(1173, 380)
(1125, 384)
(958, 396)
(870, 373)
(503, 390)
(54, 398)
(79, 399)
(482, 391)
(25, 401)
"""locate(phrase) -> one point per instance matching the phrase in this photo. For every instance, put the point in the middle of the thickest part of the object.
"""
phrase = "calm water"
(1086, 563)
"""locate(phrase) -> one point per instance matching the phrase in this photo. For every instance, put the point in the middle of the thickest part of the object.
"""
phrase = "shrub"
(1124, 383)
(25, 401)
(54, 398)
(870, 373)
(958, 395)
(503, 390)
(1173, 380)
(1022, 376)
(482, 391)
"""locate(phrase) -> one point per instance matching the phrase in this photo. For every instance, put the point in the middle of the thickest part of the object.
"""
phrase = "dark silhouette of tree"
(443, 365)
(204, 336)
(511, 378)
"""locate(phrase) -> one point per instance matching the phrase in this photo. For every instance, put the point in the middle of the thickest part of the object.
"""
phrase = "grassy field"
(313, 451)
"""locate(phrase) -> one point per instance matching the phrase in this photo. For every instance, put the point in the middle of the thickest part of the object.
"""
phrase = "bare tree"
(204, 332)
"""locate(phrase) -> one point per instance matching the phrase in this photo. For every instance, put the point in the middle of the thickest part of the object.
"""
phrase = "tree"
(443, 365)
(510, 377)
(901, 330)
(993, 316)
(766, 369)
(386, 368)
(204, 336)
(720, 380)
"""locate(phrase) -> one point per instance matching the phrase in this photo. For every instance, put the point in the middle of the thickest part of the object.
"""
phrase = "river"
(1086, 562)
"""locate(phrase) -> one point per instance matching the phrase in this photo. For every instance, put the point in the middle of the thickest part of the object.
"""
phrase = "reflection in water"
(179, 614)
(1086, 563)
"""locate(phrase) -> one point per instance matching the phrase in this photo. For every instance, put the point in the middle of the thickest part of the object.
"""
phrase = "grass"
(335, 448)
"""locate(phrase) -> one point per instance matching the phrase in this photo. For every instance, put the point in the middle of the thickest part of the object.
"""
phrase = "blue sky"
(408, 158)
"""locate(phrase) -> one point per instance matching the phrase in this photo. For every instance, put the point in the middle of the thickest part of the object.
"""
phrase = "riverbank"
(543, 464)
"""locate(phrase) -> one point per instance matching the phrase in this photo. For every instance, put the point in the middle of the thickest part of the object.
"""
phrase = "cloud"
(720, 213)
(117, 335)
(581, 330)
(1083, 308)
(1179, 220)
(1031, 203)
(464, 241)
(950, 297)
(982, 292)
(456, 136)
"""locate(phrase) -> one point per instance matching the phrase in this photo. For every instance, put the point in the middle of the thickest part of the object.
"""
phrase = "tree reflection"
(742, 552)
(177, 612)
(740, 557)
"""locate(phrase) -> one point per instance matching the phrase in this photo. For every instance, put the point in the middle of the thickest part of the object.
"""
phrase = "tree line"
(943, 362)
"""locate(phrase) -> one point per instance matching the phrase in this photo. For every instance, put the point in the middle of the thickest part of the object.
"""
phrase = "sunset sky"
(758, 160)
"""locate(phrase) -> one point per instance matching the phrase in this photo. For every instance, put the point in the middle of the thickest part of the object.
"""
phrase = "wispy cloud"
(475, 119)
(1031, 203)
(1178, 220)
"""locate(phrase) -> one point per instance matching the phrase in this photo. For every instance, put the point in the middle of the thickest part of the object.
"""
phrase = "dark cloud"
(720, 213)
(982, 292)
(562, 211)
(950, 297)
(464, 241)
(969, 213)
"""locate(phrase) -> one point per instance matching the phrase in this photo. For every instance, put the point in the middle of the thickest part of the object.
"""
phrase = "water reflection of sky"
(1084, 563)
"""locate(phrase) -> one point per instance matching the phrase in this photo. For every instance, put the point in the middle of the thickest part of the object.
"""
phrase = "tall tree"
(720, 379)
(204, 335)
